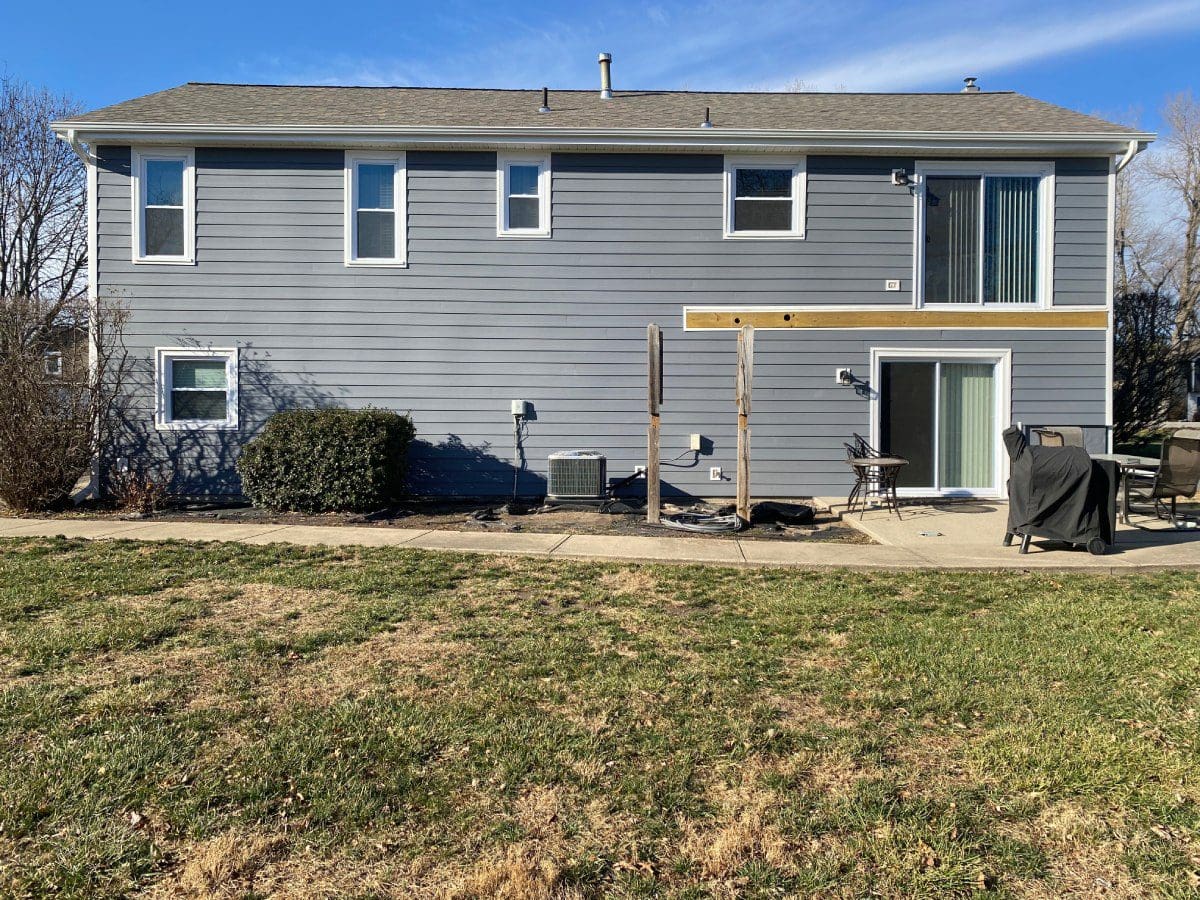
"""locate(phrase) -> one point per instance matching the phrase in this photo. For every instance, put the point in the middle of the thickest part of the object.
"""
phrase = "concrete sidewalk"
(963, 540)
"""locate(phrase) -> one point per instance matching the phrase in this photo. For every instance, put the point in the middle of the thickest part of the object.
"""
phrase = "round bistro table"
(875, 476)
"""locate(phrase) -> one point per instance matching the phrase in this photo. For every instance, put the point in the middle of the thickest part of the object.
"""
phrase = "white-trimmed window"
(764, 197)
(376, 209)
(523, 196)
(196, 389)
(164, 206)
(985, 233)
(52, 362)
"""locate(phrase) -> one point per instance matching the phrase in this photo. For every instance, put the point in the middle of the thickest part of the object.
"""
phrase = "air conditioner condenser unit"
(577, 476)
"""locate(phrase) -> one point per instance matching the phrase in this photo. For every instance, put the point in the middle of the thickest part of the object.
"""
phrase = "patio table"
(875, 475)
(1127, 464)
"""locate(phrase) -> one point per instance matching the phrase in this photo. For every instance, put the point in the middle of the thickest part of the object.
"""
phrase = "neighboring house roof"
(228, 109)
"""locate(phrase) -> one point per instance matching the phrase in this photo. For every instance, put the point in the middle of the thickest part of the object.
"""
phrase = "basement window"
(196, 389)
(764, 197)
(164, 203)
(523, 196)
(376, 215)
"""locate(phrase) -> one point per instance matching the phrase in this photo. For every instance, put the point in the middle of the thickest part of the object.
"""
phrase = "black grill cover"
(1060, 493)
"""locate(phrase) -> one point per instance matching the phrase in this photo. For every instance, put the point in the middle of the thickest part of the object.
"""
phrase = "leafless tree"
(43, 200)
(1157, 272)
(61, 391)
(1175, 168)
(62, 358)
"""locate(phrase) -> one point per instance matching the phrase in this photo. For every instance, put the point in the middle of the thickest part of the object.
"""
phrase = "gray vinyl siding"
(476, 320)
(1081, 244)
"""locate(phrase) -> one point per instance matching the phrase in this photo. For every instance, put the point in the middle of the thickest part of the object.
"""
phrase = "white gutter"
(666, 138)
(75, 144)
(1135, 147)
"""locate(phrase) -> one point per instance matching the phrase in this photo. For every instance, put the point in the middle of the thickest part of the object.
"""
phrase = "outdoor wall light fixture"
(847, 378)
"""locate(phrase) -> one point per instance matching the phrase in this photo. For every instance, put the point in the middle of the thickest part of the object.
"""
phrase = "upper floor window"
(764, 197)
(523, 203)
(196, 389)
(52, 362)
(985, 232)
(375, 209)
(164, 200)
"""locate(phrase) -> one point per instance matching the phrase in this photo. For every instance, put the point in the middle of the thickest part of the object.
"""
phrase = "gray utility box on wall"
(578, 476)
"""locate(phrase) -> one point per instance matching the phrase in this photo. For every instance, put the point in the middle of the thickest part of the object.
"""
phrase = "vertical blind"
(966, 416)
(1005, 267)
(1010, 239)
(952, 240)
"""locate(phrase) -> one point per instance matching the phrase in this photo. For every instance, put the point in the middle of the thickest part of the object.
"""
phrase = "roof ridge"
(616, 93)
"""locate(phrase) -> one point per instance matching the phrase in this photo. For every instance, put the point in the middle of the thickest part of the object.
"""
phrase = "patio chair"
(871, 481)
(1060, 436)
(1178, 475)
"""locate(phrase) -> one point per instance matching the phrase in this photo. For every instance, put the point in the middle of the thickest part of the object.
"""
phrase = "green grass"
(199, 720)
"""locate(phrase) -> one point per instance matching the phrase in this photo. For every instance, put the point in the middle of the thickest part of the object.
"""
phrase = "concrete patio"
(943, 536)
(968, 534)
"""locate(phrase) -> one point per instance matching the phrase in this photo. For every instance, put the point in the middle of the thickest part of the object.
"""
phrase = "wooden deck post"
(654, 349)
(745, 382)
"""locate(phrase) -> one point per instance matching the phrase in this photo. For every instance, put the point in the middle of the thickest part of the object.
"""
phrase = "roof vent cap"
(969, 85)
(605, 60)
(545, 107)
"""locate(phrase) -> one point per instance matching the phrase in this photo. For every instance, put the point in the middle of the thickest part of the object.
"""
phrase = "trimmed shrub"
(327, 460)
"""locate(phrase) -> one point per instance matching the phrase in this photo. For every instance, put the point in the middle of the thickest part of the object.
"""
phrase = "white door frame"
(1001, 358)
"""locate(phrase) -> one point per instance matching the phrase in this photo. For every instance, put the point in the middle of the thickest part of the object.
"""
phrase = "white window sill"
(164, 260)
(764, 235)
(376, 264)
(523, 234)
(195, 425)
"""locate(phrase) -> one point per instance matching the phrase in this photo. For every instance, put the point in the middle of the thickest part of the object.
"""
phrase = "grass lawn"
(216, 720)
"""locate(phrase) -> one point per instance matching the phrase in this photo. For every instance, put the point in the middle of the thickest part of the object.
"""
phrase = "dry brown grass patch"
(222, 866)
(631, 581)
(742, 831)
(1084, 850)
(804, 712)
(272, 609)
(392, 659)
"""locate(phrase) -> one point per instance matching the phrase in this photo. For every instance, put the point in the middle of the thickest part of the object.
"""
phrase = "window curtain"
(952, 240)
(967, 417)
(1010, 235)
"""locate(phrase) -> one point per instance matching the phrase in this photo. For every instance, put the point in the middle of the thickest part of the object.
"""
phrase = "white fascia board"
(718, 139)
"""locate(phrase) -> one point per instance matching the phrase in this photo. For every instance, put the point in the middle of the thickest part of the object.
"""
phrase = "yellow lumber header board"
(700, 318)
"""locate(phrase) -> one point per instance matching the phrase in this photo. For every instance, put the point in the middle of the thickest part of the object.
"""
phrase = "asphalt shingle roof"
(253, 104)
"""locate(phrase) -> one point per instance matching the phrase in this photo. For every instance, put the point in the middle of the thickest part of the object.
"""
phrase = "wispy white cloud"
(715, 45)
(938, 58)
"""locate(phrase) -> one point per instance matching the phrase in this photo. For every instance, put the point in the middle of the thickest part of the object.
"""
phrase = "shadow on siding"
(454, 468)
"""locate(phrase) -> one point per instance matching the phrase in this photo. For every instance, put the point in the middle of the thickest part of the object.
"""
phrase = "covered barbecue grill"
(1061, 494)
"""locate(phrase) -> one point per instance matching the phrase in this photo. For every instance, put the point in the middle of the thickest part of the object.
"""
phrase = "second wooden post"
(745, 381)
(654, 348)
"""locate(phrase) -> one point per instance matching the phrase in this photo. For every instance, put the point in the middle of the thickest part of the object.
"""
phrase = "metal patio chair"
(1060, 436)
(1178, 475)
(870, 479)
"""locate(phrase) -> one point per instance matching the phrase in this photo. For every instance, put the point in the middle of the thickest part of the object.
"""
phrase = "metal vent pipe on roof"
(605, 60)
(969, 85)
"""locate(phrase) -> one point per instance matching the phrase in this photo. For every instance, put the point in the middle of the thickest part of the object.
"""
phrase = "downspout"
(1135, 147)
(89, 164)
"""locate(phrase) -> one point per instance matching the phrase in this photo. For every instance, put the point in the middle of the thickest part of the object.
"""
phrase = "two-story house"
(448, 251)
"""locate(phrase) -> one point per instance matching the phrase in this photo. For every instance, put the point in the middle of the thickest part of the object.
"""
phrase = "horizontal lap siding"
(1081, 246)
(476, 321)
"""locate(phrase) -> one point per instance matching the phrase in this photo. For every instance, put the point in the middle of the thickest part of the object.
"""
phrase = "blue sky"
(1115, 59)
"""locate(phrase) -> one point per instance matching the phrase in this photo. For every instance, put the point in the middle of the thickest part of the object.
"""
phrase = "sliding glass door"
(941, 415)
